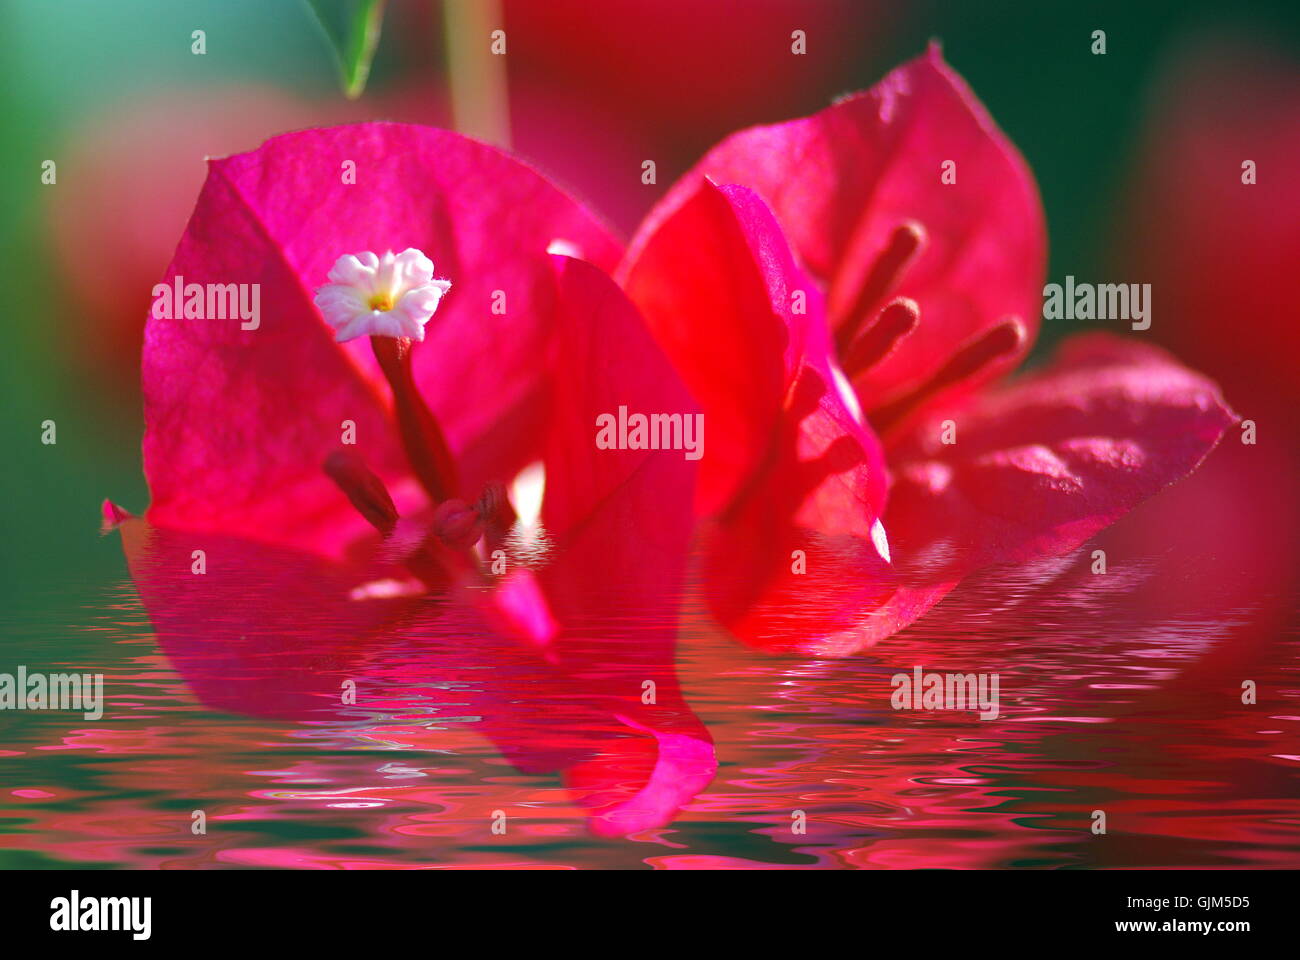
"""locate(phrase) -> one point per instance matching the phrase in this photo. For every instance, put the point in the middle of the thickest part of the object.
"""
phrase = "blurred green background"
(75, 66)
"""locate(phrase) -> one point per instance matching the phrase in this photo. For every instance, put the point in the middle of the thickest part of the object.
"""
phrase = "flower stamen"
(882, 276)
(975, 356)
(363, 488)
(875, 342)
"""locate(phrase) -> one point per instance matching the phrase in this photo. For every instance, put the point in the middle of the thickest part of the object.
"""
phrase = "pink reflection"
(410, 777)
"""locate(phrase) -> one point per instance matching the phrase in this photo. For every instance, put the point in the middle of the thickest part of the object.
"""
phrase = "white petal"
(340, 304)
(357, 271)
(419, 304)
(411, 268)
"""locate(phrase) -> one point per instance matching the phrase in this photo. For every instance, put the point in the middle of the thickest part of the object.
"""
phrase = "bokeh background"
(1136, 154)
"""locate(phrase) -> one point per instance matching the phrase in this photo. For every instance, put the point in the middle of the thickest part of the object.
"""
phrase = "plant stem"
(476, 76)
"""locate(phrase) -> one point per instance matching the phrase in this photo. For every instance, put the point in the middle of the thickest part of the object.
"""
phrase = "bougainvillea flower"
(875, 457)
(331, 494)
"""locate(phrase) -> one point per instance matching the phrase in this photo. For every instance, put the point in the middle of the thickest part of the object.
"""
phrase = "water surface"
(1107, 703)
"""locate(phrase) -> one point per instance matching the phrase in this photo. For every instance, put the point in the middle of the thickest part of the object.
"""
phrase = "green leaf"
(352, 28)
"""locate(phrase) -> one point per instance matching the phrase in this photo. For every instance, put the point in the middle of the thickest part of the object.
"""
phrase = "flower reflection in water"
(1103, 707)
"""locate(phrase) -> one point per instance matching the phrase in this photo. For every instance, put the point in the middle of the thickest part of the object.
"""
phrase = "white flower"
(389, 296)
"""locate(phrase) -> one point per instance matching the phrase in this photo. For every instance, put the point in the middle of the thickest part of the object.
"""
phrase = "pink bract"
(937, 278)
(300, 589)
